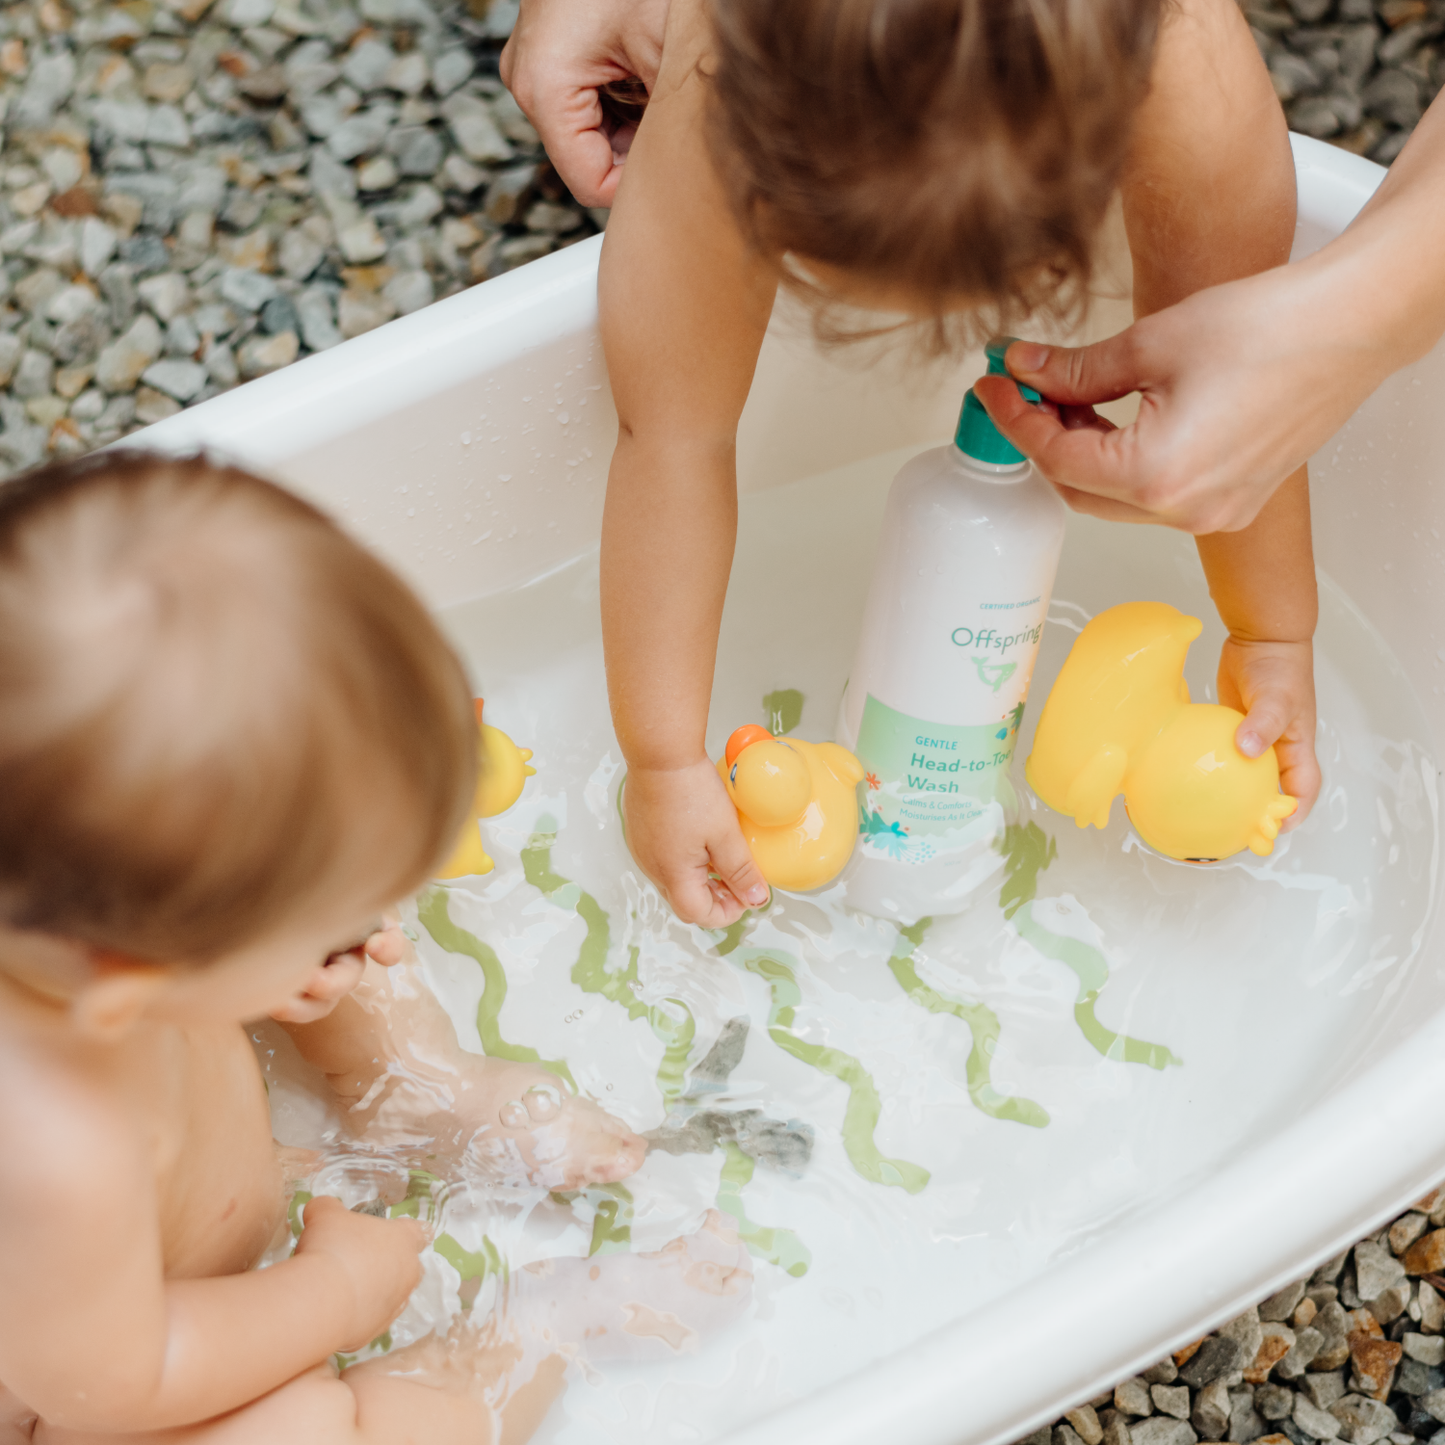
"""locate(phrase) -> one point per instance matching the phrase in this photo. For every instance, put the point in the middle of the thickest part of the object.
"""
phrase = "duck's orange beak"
(745, 737)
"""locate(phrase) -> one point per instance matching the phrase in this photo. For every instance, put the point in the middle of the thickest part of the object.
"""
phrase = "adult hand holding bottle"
(1242, 382)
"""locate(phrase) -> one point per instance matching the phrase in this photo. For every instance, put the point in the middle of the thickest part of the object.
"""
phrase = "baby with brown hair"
(229, 738)
(949, 162)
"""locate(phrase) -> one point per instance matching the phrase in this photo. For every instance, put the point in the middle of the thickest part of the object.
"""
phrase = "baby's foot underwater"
(528, 1129)
(512, 1123)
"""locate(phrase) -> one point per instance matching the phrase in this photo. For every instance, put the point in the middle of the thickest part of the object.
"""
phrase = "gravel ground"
(197, 192)
(1351, 1354)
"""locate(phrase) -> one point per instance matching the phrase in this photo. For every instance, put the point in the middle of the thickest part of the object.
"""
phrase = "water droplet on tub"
(563, 417)
(466, 438)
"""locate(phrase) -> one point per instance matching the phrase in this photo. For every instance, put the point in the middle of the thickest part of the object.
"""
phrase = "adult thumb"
(1078, 375)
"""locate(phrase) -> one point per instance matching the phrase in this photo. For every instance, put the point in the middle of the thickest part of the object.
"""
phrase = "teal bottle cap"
(977, 436)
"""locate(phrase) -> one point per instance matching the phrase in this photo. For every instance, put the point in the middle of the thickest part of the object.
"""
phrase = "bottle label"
(927, 785)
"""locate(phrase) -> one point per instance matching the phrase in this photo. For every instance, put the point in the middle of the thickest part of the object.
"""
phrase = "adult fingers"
(1083, 459)
(1080, 375)
(572, 130)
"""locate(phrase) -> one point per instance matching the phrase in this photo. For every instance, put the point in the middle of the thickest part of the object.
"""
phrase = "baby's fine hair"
(215, 709)
(967, 149)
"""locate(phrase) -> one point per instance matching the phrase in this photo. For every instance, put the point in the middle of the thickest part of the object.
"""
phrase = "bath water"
(905, 1126)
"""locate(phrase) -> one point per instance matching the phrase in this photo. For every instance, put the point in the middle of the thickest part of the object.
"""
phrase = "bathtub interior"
(470, 443)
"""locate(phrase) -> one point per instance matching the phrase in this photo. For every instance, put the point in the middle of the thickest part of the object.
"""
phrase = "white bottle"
(960, 593)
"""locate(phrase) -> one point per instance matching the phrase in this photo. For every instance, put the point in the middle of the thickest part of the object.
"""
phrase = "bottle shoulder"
(942, 481)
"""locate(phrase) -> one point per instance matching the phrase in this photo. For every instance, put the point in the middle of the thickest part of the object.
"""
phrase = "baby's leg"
(443, 1406)
(390, 1053)
(637, 1306)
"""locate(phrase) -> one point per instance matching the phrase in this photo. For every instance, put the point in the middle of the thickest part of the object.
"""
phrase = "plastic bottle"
(956, 608)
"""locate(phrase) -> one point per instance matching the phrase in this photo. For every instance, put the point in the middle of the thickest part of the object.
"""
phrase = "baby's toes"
(600, 1149)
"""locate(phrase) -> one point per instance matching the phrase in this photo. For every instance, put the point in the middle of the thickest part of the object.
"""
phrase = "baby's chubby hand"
(376, 1262)
(337, 975)
(1273, 684)
(682, 829)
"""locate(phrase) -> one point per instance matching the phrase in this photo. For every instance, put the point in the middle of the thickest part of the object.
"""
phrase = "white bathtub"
(388, 433)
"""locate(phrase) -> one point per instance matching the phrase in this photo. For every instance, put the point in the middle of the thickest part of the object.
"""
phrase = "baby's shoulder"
(60, 1131)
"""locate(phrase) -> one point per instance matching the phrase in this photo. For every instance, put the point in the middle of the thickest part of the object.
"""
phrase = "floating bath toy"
(797, 803)
(1119, 720)
(501, 773)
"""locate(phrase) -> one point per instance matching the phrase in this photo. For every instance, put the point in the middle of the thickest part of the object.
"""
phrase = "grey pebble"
(1210, 1415)
(1375, 1267)
(1313, 1420)
(317, 316)
(181, 380)
(182, 338)
(1084, 1422)
(277, 315)
(1217, 1356)
(1162, 1430)
(1245, 1422)
(1164, 1372)
(249, 290)
(1324, 1388)
(1171, 1400)
(1281, 1304)
(1131, 1397)
(418, 150)
(1363, 1421)
(33, 375)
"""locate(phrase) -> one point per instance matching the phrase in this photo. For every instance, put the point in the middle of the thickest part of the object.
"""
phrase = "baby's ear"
(111, 1000)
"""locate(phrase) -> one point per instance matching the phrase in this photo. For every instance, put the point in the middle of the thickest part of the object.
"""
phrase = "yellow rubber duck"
(502, 771)
(1119, 720)
(797, 803)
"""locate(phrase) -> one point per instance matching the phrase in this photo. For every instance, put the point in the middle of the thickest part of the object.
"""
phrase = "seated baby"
(228, 739)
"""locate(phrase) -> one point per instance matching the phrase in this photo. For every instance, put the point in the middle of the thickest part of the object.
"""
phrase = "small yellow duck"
(1119, 720)
(797, 803)
(502, 771)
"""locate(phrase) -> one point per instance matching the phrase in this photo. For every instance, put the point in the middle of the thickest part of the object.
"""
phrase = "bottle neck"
(999, 472)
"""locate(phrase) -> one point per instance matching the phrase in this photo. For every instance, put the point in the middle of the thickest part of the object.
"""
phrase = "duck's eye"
(733, 775)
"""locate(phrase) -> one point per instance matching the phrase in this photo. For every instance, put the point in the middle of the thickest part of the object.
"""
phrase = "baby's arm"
(683, 309)
(1209, 196)
(93, 1337)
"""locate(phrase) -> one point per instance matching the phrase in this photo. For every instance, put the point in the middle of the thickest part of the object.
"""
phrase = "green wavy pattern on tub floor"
(1028, 851)
(1092, 969)
(434, 917)
(860, 1117)
(777, 1246)
(591, 974)
(983, 1026)
(612, 1215)
(471, 1263)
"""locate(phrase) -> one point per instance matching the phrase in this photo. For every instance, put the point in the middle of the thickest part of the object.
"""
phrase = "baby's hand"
(682, 828)
(378, 1258)
(1273, 684)
(341, 972)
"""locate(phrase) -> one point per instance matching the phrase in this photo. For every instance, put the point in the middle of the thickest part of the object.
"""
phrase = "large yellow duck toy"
(1119, 720)
(797, 803)
(502, 771)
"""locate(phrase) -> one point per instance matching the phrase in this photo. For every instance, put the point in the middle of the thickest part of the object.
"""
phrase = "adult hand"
(1239, 385)
(561, 57)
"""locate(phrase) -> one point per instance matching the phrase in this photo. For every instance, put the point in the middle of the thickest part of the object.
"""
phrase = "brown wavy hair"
(216, 709)
(965, 149)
